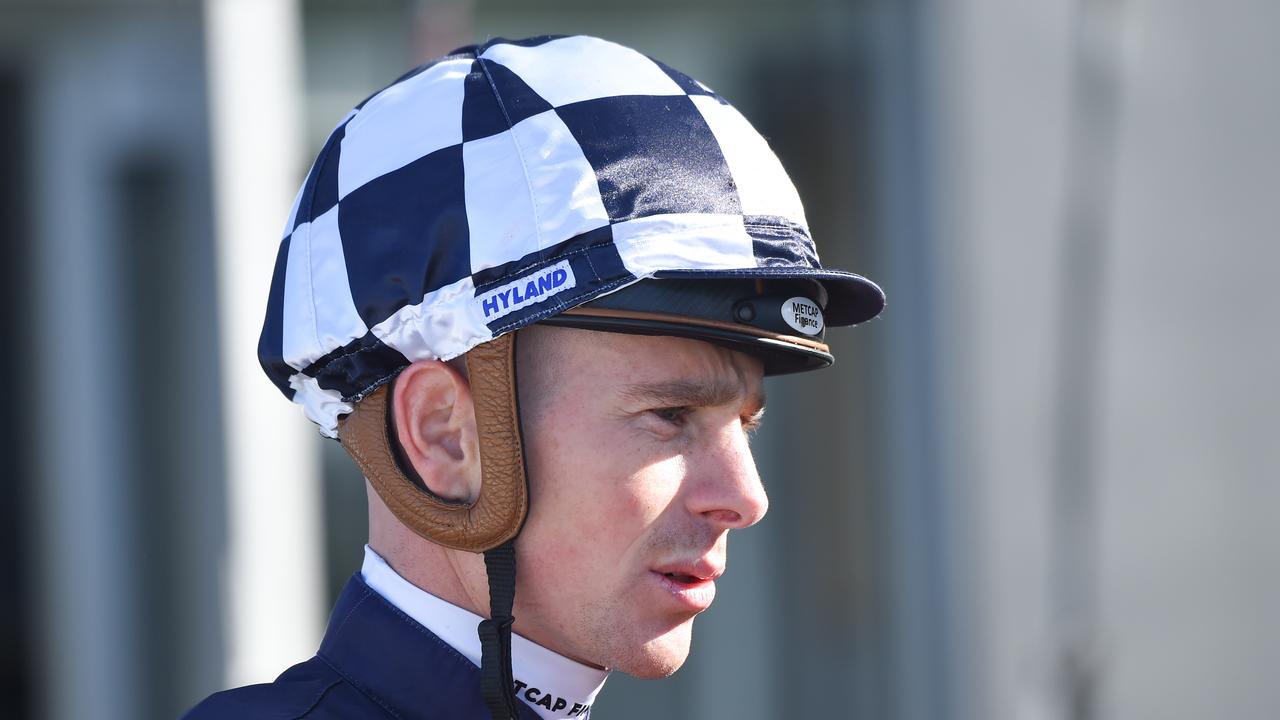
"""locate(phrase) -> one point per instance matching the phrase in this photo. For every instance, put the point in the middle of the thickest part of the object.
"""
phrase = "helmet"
(562, 180)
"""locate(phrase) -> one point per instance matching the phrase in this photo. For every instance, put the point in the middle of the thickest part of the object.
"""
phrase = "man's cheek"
(570, 552)
(648, 493)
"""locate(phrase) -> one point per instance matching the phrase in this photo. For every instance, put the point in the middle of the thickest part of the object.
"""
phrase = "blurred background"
(1044, 485)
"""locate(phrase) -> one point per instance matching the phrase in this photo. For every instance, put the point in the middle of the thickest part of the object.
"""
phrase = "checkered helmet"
(563, 180)
(509, 182)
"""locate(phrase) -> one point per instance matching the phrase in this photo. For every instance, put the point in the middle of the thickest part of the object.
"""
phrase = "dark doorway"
(16, 676)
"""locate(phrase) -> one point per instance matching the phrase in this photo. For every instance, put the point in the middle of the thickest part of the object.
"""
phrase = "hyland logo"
(526, 291)
(803, 314)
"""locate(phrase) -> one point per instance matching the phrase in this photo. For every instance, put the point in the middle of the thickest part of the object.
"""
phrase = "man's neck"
(447, 574)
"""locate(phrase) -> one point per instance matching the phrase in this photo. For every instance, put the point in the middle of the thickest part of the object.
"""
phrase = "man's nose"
(728, 490)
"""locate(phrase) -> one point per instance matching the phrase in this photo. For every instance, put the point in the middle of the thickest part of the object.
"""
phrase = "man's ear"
(435, 424)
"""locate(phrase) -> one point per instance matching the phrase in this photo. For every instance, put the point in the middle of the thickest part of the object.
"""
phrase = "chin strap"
(496, 682)
(496, 390)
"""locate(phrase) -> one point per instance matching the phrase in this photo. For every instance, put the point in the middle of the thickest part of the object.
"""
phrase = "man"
(533, 288)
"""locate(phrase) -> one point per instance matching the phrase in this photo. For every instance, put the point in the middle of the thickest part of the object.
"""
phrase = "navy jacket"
(374, 662)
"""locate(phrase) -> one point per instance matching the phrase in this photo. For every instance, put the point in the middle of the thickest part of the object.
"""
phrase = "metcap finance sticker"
(803, 314)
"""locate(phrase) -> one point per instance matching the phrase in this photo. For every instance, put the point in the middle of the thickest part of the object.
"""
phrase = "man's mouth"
(691, 584)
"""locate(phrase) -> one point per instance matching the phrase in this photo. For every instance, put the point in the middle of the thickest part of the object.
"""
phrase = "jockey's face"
(638, 466)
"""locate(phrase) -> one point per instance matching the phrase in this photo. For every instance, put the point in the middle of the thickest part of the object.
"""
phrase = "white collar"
(550, 683)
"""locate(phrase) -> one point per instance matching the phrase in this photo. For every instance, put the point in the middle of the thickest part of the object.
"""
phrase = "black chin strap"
(496, 682)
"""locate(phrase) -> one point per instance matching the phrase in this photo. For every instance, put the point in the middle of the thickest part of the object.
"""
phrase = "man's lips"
(691, 583)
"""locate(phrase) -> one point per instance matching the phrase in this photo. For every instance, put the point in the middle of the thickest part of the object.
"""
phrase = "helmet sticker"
(506, 299)
(803, 314)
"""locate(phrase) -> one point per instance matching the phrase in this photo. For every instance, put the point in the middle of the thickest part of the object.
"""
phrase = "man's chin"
(661, 656)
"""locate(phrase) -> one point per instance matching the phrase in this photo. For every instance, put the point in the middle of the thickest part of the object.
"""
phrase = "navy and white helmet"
(508, 182)
(562, 180)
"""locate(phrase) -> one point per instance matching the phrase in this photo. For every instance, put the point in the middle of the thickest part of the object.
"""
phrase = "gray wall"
(1139, 534)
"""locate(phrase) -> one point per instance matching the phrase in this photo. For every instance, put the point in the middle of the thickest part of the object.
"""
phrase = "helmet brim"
(775, 316)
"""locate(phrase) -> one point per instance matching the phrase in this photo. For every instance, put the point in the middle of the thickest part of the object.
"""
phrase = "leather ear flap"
(499, 512)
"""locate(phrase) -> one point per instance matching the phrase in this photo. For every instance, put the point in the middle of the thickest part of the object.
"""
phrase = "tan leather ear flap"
(498, 514)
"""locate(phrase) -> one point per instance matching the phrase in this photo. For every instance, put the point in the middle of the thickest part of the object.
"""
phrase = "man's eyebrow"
(688, 393)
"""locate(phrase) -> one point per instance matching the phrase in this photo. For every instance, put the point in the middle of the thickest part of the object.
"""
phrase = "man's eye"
(673, 415)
